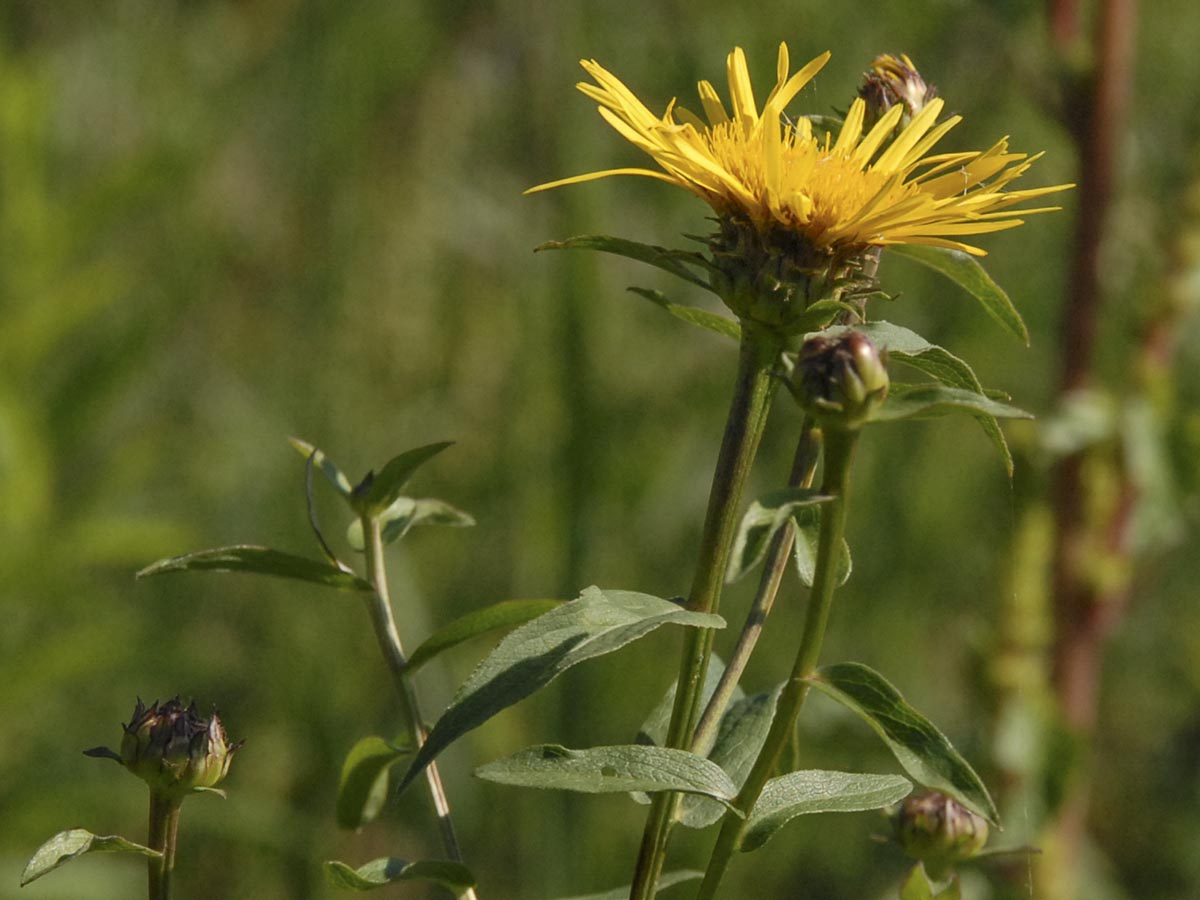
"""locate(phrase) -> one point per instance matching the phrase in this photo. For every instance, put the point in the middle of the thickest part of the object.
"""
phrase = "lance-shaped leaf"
(406, 513)
(381, 489)
(68, 845)
(335, 476)
(453, 876)
(923, 751)
(259, 561)
(498, 616)
(760, 524)
(912, 401)
(674, 261)
(363, 787)
(804, 548)
(966, 271)
(816, 791)
(596, 623)
(665, 881)
(693, 315)
(611, 770)
(913, 350)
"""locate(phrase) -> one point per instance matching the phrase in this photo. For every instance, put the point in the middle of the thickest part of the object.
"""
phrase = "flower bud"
(891, 81)
(840, 380)
(175, 750)
(939, 831)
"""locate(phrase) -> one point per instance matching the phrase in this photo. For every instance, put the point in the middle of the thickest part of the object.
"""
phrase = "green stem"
(380, 607)
(162, 836)
(839, 452)
(743, 430)
(804, 466)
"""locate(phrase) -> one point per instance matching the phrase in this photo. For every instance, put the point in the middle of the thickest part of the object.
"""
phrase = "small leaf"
(923, 751)
(596, 623)
(259, 561)
(611, 770)
(818, 315)
(816, 791)
(916, 886)
(804, 548)
(966, 271)
(406, 513)
(693, 315)
(760, 524)
(908, 401)
(672, 261)
(387, 484)
(104, 753)
(363, 786)
(453, 876)
(68, 845)
(506, 614)
(335, 475)
(665, 881)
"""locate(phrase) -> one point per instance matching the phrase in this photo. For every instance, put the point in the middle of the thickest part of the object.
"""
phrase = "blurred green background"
(223, 223)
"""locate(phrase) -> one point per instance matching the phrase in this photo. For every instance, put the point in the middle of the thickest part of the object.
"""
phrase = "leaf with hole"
(596, 623)
(924, 752)
(68, 845)
(259, 561)
(609, 770)
(453, 876)
(817, 791)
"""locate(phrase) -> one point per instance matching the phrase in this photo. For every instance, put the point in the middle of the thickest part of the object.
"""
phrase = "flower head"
(840, 380)
(939, 831)
(894, 81)
(866, 187)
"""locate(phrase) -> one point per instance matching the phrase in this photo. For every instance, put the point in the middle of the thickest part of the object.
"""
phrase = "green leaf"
(335, 475)
(68, 845)
(259, 561)
(816, 791)
(693, 315)
(406, 513)
(818, 315)
(923, 751)
(804, 548)
(966, 271)
(363, 787)
(916, 886)
(454, 877)
(909, 401)
(742, 732)
(506, 614)
(665, 881)
(672, 261)
(654, 729)
(596, 623)
(611, 770)
(760, 524)
(386, 486)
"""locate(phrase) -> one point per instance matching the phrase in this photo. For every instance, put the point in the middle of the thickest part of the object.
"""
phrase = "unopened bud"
(939, 831)
(894, 80)
(174, 749)
(840, 380)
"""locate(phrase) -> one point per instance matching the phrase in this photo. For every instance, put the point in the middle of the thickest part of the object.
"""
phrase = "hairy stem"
(162, 836)
(839, 451)
(380, 607)
(743, 430)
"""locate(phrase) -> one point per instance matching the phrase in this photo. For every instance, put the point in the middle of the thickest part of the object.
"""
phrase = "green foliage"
(762, 522)
(918, 886)
(454, 877)
(69, 845)
(259, 561)
(363, 786)
(804, 548)
(667, 880)
(378, 491)
(924, 752)
(489, 619)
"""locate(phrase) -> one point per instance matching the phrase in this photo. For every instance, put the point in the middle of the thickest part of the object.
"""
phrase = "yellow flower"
(840, 196)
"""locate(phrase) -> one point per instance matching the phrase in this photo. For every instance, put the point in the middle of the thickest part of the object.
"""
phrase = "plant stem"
(839, 452)
(804, 467)
(747, 416)
(380, 607)
(162, 835)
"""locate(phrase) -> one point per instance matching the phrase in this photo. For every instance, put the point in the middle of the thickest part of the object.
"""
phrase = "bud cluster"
(840, 379)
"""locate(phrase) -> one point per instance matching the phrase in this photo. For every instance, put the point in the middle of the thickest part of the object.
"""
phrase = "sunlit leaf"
(68, 845)
(911, 401)
(335, 476)
(693, 315)
(386, 484)
(596, 623)
(609, 770)
(923, 751)
(453, 876)
(966, 271)
(816, 791)
(363, 787)
(760, 524)
(804, 548)
(406, 513)
(259, 561)
(668, 260)
(505, 614)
